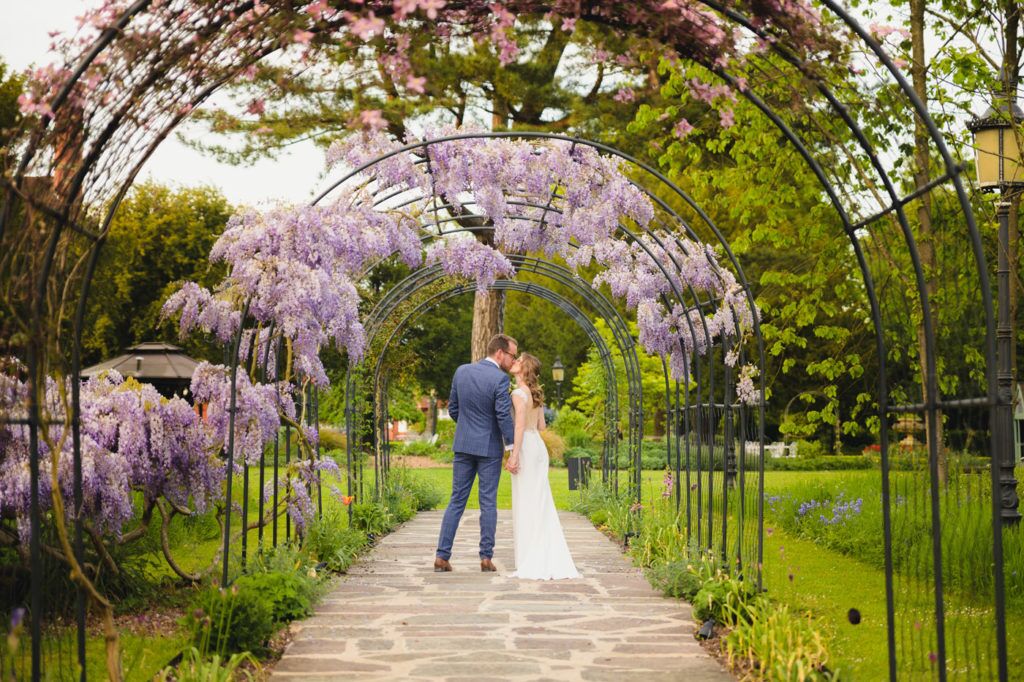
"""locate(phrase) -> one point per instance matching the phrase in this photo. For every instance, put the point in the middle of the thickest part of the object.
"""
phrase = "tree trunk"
(925, 235)
(488, 310)
(837, 440)
(488, 320)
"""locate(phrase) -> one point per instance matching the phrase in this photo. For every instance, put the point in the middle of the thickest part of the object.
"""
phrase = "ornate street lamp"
(558, 374)
(998, 160)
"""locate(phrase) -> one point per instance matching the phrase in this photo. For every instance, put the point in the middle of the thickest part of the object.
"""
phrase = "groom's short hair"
(500, 342)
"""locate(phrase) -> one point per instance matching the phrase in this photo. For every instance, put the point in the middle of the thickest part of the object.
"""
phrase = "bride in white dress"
(540, 549)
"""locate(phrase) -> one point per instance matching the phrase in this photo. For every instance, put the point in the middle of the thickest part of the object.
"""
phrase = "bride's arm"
(519, 403)
(543, 425)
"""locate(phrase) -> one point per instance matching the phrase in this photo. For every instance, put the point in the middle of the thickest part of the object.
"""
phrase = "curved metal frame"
(610, 450)
(997, 403)
(407, 287)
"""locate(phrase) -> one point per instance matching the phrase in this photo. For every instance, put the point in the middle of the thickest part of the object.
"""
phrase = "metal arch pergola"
(63, 217)
(602, 308)
(697, 421)
(611, 416)
(713, 411)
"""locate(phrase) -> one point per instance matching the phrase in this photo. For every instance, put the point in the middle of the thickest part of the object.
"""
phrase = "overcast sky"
(24, 41)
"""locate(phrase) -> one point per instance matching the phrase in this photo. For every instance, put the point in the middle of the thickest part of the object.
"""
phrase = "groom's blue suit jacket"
(482, 409)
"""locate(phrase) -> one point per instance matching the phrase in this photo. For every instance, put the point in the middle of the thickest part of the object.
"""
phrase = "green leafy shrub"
(809, 449)
(195, 667)
(289, 595)
(659, 538)
(653, 455)
(577, 452)
(779, 644)
(569, 421)
(426, 494)
(723, 598)
(578, 439)
(825, 463)
(676, 579)
(445, 431)
(373, 518)
(399, 502)
(225, 621)
(415, 448)
(332, 439)
(601, 500)
(328, 540)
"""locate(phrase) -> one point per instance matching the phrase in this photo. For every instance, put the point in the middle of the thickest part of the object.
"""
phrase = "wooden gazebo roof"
(153, 362)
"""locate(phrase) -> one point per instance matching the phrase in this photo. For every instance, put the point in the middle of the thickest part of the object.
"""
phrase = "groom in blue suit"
(482, 409)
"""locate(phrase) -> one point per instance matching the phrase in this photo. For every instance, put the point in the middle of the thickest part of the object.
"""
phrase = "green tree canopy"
(586, 81)
(158, 237)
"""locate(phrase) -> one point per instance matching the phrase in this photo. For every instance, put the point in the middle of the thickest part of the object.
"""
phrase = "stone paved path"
(393, 618)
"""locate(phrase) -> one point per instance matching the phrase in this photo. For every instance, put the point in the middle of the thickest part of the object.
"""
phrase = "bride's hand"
(512, 465)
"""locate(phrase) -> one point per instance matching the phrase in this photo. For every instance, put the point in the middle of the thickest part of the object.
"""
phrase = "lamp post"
(998, 160)
(558, 374)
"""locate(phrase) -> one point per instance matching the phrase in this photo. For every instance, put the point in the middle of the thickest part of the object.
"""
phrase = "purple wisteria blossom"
(134, 441)
(296, 267)
(469, 259)
(747, 393)
(258, 409)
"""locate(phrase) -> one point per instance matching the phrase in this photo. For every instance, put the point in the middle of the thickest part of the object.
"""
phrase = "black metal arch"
(996, 401)
(611, 416)
(423, 276)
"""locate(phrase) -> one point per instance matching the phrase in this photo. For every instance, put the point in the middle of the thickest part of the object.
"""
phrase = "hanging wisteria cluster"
(258, 410)
(134, 441)
(564, 200)
(296, 268)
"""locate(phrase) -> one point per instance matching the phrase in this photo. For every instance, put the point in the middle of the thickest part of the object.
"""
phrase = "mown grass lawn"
(559, 479)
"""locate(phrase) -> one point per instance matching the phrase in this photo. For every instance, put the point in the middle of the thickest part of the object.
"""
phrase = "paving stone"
(308, 664)
(481, 670)
(364, 645)
(391, 617)
(556, 643)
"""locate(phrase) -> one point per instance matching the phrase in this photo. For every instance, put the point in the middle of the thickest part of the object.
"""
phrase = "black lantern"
(996, 148)
(558, 374)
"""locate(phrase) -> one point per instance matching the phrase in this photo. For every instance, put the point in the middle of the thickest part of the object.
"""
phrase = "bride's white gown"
(540, 549)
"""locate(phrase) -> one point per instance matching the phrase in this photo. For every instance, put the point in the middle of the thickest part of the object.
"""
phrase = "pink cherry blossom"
(416, 84)
(366, 27)
(317, 9)
(372, 119)
(624, 95)
(682, 129)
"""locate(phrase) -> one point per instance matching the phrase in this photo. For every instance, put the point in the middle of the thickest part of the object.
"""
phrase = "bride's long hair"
(531, 377)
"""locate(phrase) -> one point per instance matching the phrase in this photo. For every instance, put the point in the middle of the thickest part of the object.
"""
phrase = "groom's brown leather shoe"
(487, 567)
(441, 565)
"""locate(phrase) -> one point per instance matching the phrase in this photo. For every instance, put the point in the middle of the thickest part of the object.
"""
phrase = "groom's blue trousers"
(465, 468)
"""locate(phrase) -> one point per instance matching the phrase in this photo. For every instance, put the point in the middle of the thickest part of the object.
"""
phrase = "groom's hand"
(512, 465)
